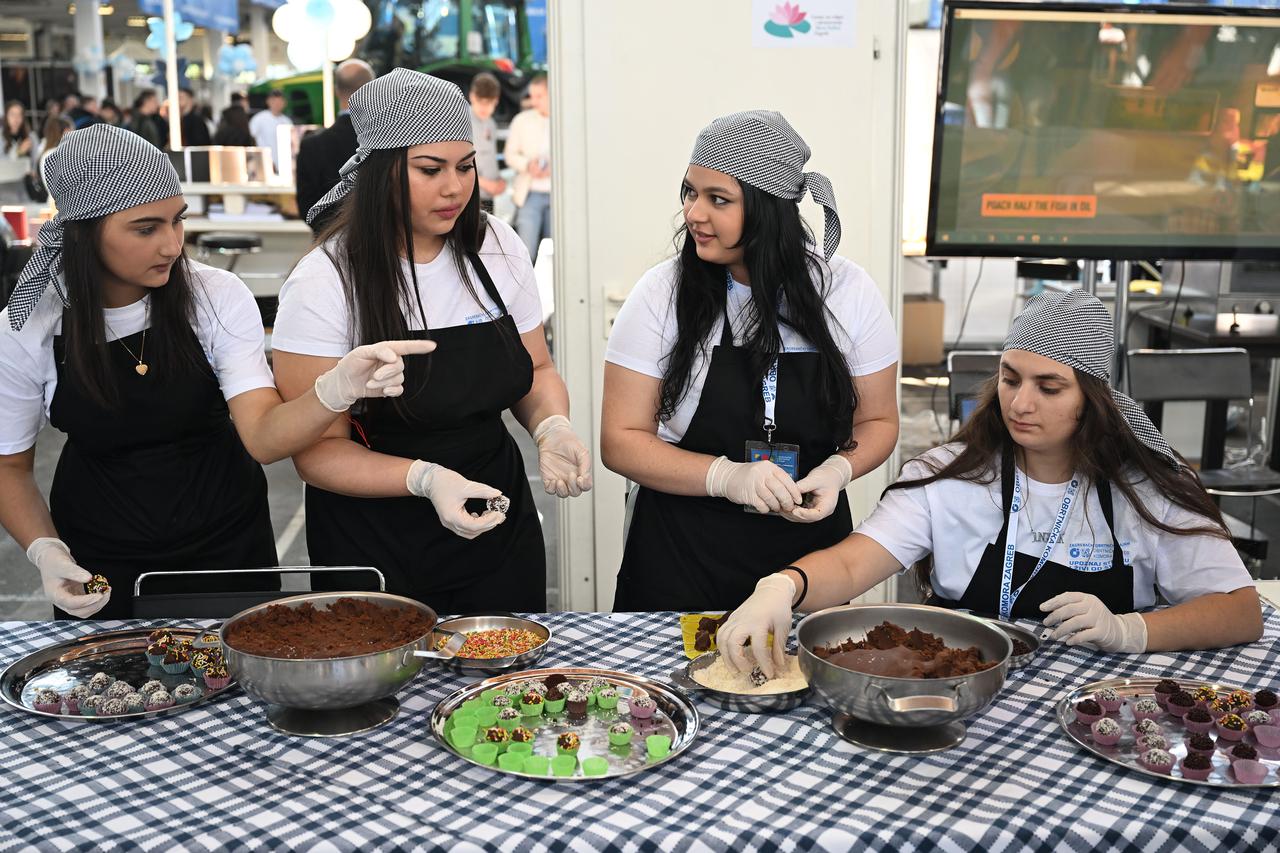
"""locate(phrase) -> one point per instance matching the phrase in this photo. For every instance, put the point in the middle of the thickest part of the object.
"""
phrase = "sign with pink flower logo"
(802, 23)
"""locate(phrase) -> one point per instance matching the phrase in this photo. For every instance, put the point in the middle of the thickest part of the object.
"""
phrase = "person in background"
(322, 154)
(194, 130)
(233, 127)
(264, 123)
(483, 95)
(53, 133)
(110, 114)
(18, 143)
(146, 118)
(90, 105)
(73, 109)
(52, 109)
(528, 151)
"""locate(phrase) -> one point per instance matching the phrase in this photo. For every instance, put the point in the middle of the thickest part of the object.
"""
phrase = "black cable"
(1168, 330)
(964, 319)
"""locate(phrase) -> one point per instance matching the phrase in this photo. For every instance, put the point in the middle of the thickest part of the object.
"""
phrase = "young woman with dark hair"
(410, 250)
(749, 379)
(1058, 500)
(154, 367)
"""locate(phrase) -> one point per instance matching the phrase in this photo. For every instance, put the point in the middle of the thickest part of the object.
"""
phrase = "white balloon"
(351, 18)
(306, 54)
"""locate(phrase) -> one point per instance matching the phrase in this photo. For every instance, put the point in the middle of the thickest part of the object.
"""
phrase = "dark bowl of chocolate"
(903, 664)
(324, 651)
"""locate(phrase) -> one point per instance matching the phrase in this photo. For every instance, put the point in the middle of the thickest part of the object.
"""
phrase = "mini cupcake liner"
(48, 707)
(534, 710)
(487, 716)
(536, 765)
(1249, 772)
(1100, 739)
(1139, 715)
(1109, 705)
(72, 707)
(607, 703)
(462, 736)
(640, 712)
(1178, 710)
(1192, 750)
(1268, 736)
(624, 738)
(1198, 728)
(512, 762)
(564, 765)
(485, 753)
(1088, 719)
(595, 766)
(520, 748)
(554, 706)
(217, 683)
(1156, 768)
(657, 746)
(1192, 773)
(154, 660)
(1229, 734)
(474, 704)
(176, 668)
(510, 725)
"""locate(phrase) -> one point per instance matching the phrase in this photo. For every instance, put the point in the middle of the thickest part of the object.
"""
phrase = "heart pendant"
(141, 369)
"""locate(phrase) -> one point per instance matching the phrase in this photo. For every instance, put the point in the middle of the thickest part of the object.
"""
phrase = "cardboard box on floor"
(922, 317)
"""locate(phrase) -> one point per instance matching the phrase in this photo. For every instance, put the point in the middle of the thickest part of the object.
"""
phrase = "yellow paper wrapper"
(689, 630)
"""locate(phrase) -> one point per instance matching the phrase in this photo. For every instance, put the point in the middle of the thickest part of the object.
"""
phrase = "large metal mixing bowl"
(318, 684)
(910, 702)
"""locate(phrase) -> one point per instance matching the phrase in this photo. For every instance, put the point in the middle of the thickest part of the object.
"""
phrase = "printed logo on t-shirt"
(1096, 556)
(487, 317)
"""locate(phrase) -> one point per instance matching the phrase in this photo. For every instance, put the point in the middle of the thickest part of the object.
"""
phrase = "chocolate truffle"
(497, 734)
(1257, 718)
(502, 700)
(499, 504)
(114, 708)
(1167, 686)
(576, 703)
(1200, 743)
(47, 700)
(568, 742)
(100, 682)
(186, 693)
(150, 687)
(522, 735)
(1147, 727)
(136, 703)
(1182, 699)
(1199, 715)
(555, 680)
(1243, 750)
(159, 700)
(1152, 742)
(1205, 694)
(97, 584)
(509, 713)
(554, 693)
(1265, 699)
(118, 690)
(1240, 699)
(1157, 760)
(1232, 722)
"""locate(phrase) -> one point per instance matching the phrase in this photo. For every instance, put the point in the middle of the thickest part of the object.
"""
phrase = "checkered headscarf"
(94, 172)
(760, 148)
(1074, 328)
(398, 110)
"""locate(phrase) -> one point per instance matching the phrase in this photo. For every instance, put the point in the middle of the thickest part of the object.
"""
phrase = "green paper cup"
(464, 718)
(473, 705)
(564, 765)
(607, 703)
(534, 710)
(657, 745)
(536, 765)
(487, 696)
(486, 717)
(511, 761)
(510, 725)
(591, 699)
(622, 739)
(485, 753)
(516, 748)
(594, 766)
(462, 736)
(554, 706)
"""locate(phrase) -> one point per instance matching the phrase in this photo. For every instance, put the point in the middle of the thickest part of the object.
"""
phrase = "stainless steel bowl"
(746, 703)
(1017, 632)
(492, 666)
(907, 702)
(318, 684)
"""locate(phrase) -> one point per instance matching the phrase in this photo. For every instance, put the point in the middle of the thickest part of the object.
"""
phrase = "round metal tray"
(1017, 632)
(493, 666)
(746, 703)
(1124, 753)
(63, 665)
(675, 717)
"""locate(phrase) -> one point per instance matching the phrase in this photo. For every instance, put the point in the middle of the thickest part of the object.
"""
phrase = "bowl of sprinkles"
(495, 643)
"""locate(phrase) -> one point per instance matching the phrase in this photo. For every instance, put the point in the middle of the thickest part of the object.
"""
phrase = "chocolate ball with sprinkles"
(150, 687)
(97, 584)
(1157, 760)
(642, 707)
(1145, 709)
(99, 682)
(1240, 701)
(568, 743)
(522, 735)
(46, 700)
(136, 703)
(90, 705)
(497, 734)
(1152, 742)
(118, 690)
(1147, 727)
(159, 700)
(502, 700)
(1232, 727)
(1257, 718)
(114, 708)
(74, 697)
(185, 693)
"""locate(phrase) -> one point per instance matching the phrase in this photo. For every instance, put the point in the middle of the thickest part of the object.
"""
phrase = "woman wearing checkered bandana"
(749, 379)
(154, 368)
(410, 250)
(1058, 500)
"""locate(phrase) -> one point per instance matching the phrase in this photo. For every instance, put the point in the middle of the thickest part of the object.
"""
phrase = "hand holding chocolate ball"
(449, 491)
(65, 583)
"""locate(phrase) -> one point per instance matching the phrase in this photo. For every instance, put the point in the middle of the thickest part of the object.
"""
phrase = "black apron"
(702, 553)
(450, 414)
(1114, 586)
(161, 484)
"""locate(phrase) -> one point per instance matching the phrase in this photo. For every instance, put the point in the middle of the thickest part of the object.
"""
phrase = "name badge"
(785, 456)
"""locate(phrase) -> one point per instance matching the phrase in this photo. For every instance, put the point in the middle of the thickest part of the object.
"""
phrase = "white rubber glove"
(762, 486)
(448, 491)
(767, 609)
(1083, 619)
(373, 370)
(63, 579)
(824, 483)
(563, 460)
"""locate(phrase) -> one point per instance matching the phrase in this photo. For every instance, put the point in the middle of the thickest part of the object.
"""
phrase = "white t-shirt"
(644, 332)
(314, 318)
(263, 126)
(228, 326)
(962, 518)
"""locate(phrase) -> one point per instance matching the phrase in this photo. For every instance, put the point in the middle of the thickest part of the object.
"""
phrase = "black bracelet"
(805, 590)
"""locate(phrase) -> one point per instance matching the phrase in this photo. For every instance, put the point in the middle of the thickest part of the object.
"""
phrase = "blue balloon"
(319, 12)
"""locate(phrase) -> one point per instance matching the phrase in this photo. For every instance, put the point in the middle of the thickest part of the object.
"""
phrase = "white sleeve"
(868, 340)
(234, 339)
(1188, 567)
(640, 338)
(902, 522)
(313, 317)
(523, 302)
(21, 392)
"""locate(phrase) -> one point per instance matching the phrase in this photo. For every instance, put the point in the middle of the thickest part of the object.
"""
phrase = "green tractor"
(451, 39)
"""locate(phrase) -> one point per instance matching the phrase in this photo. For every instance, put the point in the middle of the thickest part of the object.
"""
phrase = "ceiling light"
(136, 21)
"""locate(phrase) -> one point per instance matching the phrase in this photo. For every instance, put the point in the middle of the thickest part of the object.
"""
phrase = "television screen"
(1107, 131)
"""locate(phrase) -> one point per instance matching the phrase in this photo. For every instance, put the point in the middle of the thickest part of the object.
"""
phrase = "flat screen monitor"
(1086, 130)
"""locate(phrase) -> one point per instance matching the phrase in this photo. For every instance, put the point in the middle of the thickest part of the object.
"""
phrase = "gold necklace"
(142, 367)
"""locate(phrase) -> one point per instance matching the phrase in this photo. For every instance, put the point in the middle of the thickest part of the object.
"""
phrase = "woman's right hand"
(763, 486)
(449, 491)
(63, 579)
(767, 609)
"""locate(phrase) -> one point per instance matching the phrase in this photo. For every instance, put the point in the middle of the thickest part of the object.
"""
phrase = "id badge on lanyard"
(785, 456)
(1009, 595)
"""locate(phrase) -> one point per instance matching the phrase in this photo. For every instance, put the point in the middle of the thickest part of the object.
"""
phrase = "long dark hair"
(1103, 447)
(783, 267)
(372, 234)
(171, 347)
(11, 139)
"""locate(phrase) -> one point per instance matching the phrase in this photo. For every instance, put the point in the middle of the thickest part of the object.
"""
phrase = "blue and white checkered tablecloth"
(220, 777)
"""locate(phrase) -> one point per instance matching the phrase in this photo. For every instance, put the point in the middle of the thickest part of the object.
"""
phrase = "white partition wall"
(631, 85)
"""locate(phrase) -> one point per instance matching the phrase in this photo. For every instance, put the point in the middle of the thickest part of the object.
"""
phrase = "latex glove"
(448, 491)
(767, 609)
(762, 486)
(824, 483)
(63, 579)
(1083, 619)
(373, 370)
(563, 460)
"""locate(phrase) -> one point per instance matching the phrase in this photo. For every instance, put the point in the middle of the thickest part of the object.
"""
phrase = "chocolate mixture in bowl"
(892, 651)
(349, 627)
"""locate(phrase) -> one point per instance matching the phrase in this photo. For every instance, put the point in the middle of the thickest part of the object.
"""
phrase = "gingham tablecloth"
(220, 777)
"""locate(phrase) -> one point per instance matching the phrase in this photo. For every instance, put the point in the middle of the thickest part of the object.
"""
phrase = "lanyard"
(768, 385)
(1008, 595)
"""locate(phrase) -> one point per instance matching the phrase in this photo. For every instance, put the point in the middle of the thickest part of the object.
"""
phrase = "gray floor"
(21, 596)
